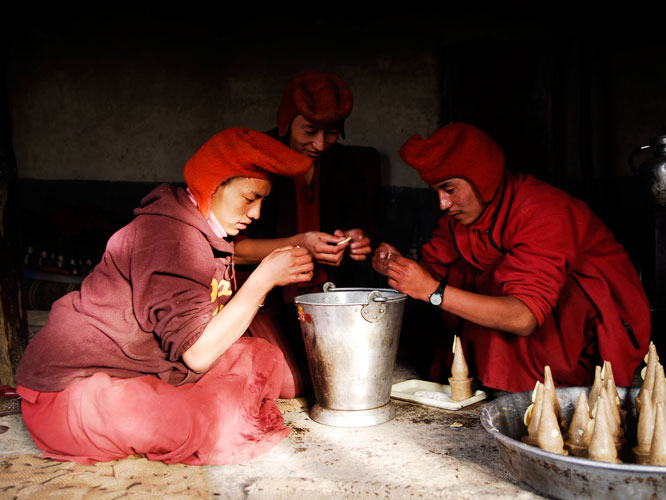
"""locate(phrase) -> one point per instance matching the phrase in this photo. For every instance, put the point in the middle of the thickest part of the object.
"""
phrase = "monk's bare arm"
(252, 251)
(282, 267)
(322, 247)
(507, 314)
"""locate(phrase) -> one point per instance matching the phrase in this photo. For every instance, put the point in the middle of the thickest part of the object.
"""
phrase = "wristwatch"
(437, 296)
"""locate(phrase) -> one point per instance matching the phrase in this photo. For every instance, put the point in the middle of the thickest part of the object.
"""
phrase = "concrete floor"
(425, 452)
(419, 454)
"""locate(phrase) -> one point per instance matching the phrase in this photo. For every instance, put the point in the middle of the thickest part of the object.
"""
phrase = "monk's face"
(311, 140)
(460, 199)
(238, 202)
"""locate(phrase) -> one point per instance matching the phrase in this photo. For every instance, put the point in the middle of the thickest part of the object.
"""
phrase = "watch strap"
(437, 296)
(442, 286)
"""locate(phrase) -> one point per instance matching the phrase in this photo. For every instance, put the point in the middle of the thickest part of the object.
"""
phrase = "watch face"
(435, 299)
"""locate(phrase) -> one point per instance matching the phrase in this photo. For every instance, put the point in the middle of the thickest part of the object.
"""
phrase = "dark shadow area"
(65, 227)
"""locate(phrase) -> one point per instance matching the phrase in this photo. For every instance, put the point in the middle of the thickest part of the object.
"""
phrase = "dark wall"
(115, 100)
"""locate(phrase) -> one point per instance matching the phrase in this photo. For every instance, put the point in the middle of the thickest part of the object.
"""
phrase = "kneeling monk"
(530, 274)
(148, 357)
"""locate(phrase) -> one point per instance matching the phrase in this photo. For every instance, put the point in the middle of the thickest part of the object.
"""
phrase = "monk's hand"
(382, 256)
(409, 277)
(286, 265)
(358, 247)
(324, 247)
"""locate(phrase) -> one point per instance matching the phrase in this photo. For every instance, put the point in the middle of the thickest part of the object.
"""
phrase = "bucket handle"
(375, 308)
(329, 285)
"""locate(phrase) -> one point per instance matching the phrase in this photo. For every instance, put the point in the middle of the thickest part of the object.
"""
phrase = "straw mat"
(29, 476)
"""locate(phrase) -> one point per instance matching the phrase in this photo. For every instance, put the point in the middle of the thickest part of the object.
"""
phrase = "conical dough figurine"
(659, 388)
(549, 385)
(644, 432)
(460, 381)
(602, 445)
(607, 372)
(596, 388)
(549, 435)
(615, 399)
(608, 378)
(614, 422)
(579, 438)
(648, 375)
(658, 446)
(533, 415)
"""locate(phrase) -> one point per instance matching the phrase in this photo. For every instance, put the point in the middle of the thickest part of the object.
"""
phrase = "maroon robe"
(546, 248)
(105, 377)
(343, 195)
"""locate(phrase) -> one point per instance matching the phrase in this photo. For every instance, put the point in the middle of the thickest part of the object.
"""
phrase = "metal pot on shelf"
(652, 172)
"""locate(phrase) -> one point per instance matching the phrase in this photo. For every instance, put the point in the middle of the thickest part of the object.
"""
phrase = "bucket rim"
(395, 296)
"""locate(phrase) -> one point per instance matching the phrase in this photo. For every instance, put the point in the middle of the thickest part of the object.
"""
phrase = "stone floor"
(424, 452)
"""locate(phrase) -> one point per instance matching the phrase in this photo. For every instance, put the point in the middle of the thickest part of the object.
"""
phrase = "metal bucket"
(351, 339)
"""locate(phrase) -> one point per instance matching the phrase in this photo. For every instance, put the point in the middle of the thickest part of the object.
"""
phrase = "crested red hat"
(457, 150)
(238, 152)
(322, 98)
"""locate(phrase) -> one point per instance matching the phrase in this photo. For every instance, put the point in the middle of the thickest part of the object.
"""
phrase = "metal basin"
(351, 340)
(564, 476)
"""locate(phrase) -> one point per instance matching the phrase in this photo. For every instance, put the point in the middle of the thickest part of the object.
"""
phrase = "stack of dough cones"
(460, 381)
(597, 429)
(650, 448)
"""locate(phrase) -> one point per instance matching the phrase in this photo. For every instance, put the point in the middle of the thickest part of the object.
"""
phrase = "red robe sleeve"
(171, 273)
(439, 254)
(542, 253)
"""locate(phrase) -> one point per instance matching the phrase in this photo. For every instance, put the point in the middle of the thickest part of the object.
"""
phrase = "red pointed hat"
(457, 150)
(322, 99)
(238, 152)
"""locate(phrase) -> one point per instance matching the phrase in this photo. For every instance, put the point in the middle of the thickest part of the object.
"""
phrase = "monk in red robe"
(525, 273)
(330, 210)
(147, 358)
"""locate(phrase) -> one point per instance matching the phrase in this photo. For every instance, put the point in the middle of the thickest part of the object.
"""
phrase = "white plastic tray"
(405, 391)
